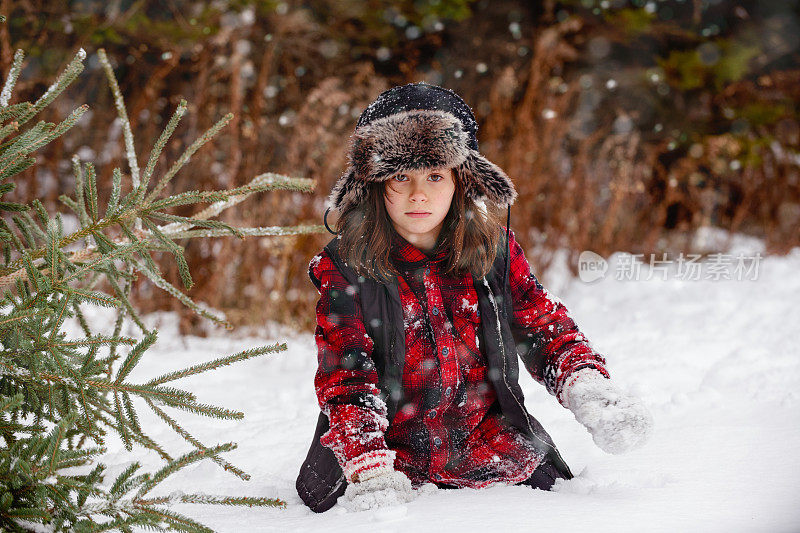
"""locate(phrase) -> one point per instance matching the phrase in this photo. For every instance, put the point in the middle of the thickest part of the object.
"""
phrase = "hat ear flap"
(347, 191)
(483, 179)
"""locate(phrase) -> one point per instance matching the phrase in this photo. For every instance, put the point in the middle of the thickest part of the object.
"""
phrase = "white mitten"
(617, 421)
(373, 482)
(386, 489)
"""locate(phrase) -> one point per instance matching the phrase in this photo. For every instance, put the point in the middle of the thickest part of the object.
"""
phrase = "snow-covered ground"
(717, 362)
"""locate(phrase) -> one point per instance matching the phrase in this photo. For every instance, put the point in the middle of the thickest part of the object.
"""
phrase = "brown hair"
(469, 233)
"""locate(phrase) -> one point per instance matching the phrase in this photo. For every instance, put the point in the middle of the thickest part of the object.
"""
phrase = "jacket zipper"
(505, 371)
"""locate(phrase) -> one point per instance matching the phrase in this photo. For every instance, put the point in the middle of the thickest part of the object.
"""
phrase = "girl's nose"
(418, 194)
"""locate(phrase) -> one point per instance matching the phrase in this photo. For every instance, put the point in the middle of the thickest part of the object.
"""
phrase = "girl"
(426, 301)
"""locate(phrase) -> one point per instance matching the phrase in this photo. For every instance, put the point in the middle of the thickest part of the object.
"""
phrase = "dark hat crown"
(422, 95)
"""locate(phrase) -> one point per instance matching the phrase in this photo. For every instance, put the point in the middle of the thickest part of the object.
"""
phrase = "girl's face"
(417, 202)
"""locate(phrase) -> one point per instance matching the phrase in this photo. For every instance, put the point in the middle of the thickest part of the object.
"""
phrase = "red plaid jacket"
(449, 430)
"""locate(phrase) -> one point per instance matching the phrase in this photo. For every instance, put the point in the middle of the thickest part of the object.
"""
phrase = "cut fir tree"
(60, 396)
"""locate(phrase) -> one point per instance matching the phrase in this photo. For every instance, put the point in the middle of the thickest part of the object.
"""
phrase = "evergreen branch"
(9, 128)
(17, 315)
(214, 224)
(270, 181)
(10, 428)
(175, 520)
(70, 458)
(186, 155)
(9, 403)
(13, 207)
(209, 499)
(119, 252)
(95, 476)
(66, 77)
(130, 412)
(86, 411)
(158, 147)
(97, 340)
(104, 244)
(216, 363)
(98, 298)
(118, 488)
(54, 253)
(77, 169)
(133, 237)
(177, 251)
(59, 319)
(193, 441)
(112, 352)
(55, 440)
(208, 410)
(116, 189)
(85, 231)
(163, 284)
(123, 430)
(59, 130)
(81, 319)
(33, 225)
(90, 365)
(12, 272)
(124, 523)
(181, 462)
(189, 197)
(56, 493)
(119, 103)
(8, 235)
(256, 184)
(134, 356)
(14, 111)
(25, 229)
(69, 202)
(128, 307)
(139, 437)
(168, 395)
(30, 513)
(248, 232)
(40, 283)
(11, 78)
(19, 146)
(66, 368)
(91, 191)
(16, 166)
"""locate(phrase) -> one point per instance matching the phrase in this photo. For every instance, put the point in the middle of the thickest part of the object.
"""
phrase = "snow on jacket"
(448, 428)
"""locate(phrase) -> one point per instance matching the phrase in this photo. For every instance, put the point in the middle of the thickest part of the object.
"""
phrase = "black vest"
(321, 480)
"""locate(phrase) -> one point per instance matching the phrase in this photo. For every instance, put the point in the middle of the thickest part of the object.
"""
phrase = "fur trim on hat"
(411, 140)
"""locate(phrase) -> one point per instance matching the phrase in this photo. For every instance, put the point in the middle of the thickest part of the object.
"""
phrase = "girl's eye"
(434, 177)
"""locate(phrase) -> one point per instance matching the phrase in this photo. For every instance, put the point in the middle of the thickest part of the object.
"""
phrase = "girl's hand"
(617, 422)
(383, 490)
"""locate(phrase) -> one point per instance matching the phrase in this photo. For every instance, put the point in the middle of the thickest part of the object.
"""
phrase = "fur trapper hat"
(418, 126)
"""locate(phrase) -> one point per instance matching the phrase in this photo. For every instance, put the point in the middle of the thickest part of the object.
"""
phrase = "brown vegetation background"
(626, 126)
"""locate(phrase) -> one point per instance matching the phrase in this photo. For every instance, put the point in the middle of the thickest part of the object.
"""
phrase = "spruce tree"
(61, 397)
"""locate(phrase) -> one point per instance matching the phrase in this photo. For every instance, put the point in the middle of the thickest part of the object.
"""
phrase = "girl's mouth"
(417, 214)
